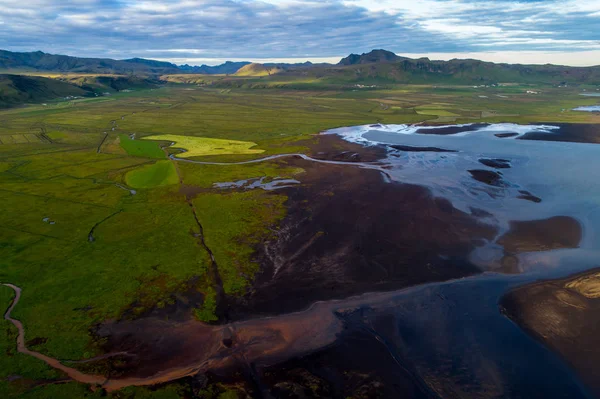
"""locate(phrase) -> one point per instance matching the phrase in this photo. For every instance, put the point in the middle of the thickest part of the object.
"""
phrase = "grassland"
(199, 146)
(63, 178)
(140, 148)
(161, 173)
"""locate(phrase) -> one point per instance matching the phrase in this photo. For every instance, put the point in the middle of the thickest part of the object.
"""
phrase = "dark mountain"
(227, 68)
(371, 57)
(39, 61)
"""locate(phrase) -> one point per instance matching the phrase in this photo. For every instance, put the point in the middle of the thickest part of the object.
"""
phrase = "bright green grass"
(139, 148)
(162, 173)
(198, 146)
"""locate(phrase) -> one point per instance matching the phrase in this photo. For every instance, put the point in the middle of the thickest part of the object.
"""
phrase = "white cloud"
(265, 29)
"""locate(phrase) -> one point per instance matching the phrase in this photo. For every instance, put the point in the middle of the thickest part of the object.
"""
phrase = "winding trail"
(378, 166)
(367, 165)
(71, 372)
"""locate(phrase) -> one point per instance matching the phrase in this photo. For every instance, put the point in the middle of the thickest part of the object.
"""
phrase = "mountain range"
(377, 65)
(95, 76)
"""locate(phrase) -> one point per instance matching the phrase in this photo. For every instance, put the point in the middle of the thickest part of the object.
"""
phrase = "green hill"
(19, 89)
(16, 89)
(256, 69)
(101, 84)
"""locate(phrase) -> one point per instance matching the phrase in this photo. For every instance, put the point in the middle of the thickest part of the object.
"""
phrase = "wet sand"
(569, 132)
(495, 163)
(542, 235)
(564, 315)
(348, 232)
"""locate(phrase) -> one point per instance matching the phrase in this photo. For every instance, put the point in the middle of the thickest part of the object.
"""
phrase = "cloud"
(296, 29)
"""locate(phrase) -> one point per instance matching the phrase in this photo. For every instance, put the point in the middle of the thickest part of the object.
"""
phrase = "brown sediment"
(444, 130)
(526, 195)
(190, 191)
(331, 147)
(408, 148)
(565, 315)
(542, 235)
(496, 163)
(488, 177)
(506, 135)
(347, 231)
(164, 351)
(569, 132)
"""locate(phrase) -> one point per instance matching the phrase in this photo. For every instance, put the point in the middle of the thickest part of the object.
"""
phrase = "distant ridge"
(16, 89)
(40, 61)
(377, 67)
(229, 67)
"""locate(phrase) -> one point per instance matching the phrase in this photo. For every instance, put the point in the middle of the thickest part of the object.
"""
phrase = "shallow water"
(591, 108)
(559, 173)
(258, 182)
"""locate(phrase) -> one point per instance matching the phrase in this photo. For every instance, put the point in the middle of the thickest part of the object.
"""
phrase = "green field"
(162, 173)
(198, 146)
(62, 180)
(140, 148)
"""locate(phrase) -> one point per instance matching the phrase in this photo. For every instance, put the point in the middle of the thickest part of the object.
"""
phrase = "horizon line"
(587, 58)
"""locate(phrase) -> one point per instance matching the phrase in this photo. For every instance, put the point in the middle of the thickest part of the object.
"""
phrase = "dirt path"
(367, 165)
(378, 166)
(71, 372)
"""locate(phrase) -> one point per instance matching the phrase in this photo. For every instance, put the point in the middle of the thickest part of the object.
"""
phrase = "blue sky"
(211, 31)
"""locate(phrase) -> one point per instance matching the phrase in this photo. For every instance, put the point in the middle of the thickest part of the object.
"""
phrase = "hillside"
(104, 83)
(19, 89)
(39, 61)
(381, 67)
(15, 89)
(256, 69)
(425, 71)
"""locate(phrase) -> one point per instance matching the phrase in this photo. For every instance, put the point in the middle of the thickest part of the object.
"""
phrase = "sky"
(212, 31)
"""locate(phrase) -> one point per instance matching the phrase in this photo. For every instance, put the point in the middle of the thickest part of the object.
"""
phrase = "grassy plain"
(62, 178)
